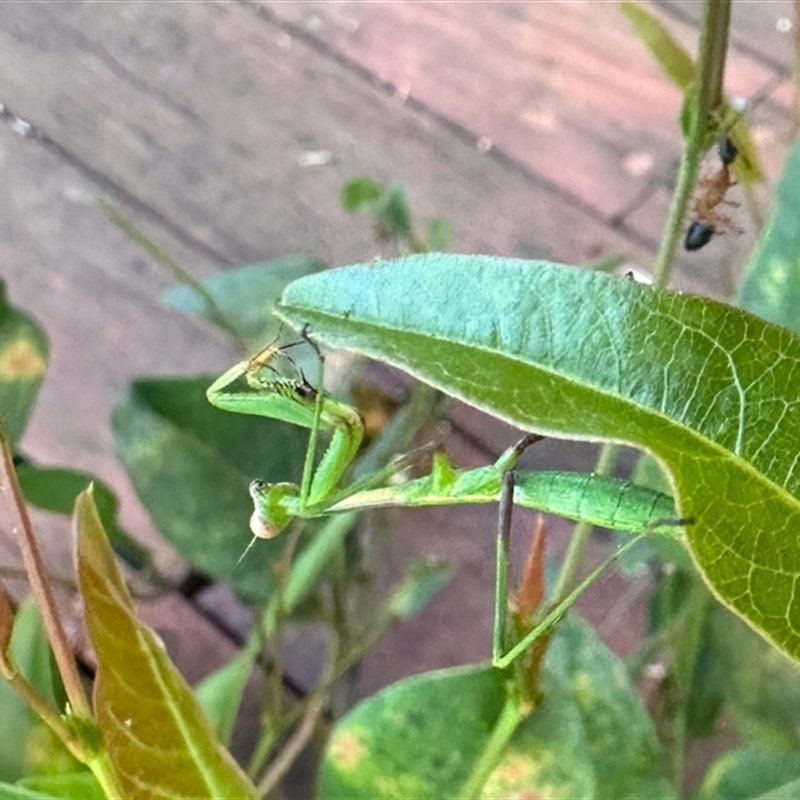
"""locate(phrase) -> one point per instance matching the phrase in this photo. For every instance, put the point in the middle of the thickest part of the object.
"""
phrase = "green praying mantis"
(257, 387)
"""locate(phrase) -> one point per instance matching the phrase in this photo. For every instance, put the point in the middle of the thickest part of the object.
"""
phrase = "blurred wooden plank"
(207, 111)
(565, 88)
(96, 295)
(112, 93)
(759, 30)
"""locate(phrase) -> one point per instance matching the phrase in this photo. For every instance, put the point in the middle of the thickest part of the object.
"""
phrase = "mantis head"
(275, 507)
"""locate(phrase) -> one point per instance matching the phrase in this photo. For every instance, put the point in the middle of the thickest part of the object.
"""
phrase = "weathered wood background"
(538, 128)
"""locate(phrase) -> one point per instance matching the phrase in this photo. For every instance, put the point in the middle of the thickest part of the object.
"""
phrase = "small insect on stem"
(727, 151)
(712, 193)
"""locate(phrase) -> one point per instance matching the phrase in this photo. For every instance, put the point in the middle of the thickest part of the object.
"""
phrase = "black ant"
(712, 192)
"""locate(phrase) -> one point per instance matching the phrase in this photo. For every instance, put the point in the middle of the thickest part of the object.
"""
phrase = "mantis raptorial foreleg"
(594, 499)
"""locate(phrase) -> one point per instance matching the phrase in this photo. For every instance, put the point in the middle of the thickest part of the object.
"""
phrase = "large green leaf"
(152, 726)
(191, 464)
(422, 737)
(23, 360)
(710, 390)
(771, 286)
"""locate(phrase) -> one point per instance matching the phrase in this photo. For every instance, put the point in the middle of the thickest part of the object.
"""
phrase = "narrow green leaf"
(746, 167)
(667, 51)
(771, 286)
(244, 295)
(23, 360)
(13, 791)
(220, 693)
(71, 786)
(748, 772)
(421, 582)
(152, 726)
(55, 489)
(191, 465)
(710, 390)
(29, 652)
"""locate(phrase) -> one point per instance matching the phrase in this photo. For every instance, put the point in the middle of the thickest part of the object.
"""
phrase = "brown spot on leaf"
(346, 750)
(21, 360)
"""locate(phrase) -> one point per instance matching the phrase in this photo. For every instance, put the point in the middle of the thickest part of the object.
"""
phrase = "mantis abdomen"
(598, 500)
(594, 499)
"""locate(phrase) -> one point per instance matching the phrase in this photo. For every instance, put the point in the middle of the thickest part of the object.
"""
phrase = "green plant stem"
(103, 770)
(22, 531)
(507, 723)
(703, 101)
(296, 743)
(97, 760)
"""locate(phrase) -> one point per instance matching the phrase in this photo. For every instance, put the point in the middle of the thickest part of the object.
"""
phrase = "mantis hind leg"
(502, 546)
(505, 463)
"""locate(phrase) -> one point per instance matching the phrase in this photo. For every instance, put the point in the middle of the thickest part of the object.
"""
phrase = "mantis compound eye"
(306, 391)
(698, 236)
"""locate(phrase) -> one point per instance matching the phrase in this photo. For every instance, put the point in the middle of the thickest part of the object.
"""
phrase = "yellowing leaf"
(155, 733)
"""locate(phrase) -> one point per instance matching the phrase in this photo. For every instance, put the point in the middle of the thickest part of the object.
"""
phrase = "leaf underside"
(710, 390)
